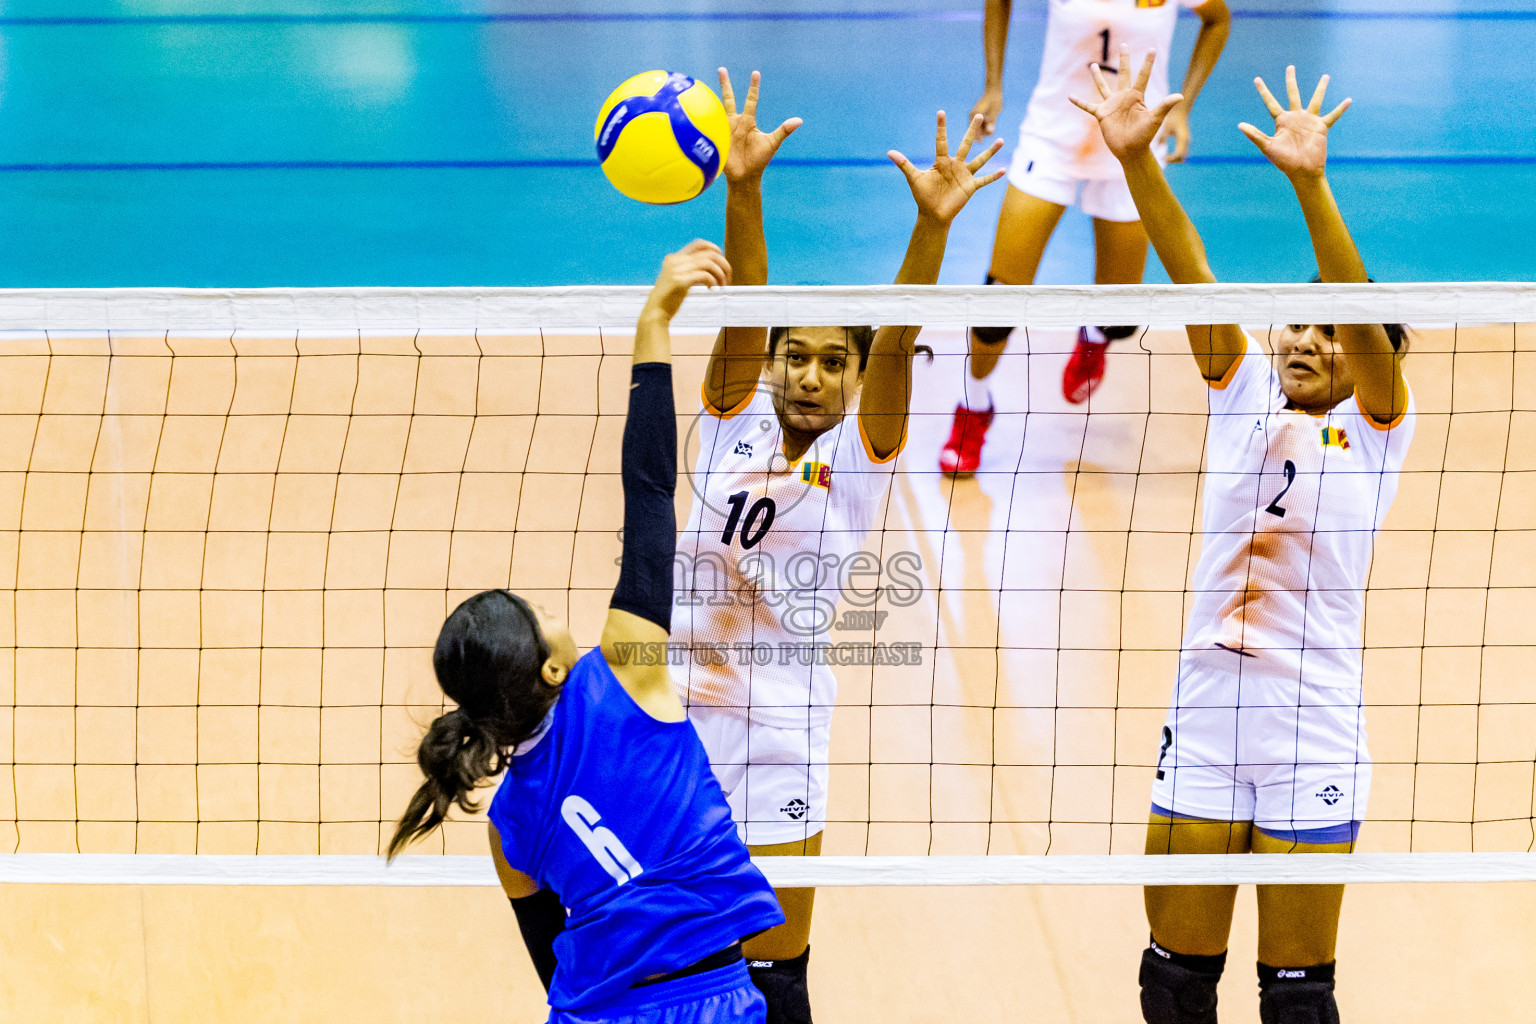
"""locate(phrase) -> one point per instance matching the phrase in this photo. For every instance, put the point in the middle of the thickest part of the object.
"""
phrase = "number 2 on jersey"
(1275, 508)
(752, 531)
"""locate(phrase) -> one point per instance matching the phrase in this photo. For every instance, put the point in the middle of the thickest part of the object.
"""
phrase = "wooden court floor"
(231, 556)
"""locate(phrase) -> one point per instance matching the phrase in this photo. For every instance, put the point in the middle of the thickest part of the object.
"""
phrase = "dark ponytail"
(489, 659)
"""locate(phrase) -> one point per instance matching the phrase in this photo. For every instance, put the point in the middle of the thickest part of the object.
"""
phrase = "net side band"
(342, 870)
(616, 308)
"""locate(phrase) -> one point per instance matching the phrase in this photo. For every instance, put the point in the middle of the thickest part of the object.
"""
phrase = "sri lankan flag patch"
(1336, 437)
(818, 474)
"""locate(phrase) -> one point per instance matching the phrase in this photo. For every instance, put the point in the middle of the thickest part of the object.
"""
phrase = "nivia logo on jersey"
(796, 809)
(1330, 794)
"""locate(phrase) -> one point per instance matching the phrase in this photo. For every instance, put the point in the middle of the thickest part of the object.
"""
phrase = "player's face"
(815, 378)
(557, 634)
(1314, 374)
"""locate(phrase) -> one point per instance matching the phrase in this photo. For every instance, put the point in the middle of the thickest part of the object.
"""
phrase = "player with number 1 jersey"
(1059, 160)
(798, 432)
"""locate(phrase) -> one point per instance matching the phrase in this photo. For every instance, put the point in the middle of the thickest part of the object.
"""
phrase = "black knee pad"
(782, 983)
(1179, 989)
(991, 335)
(1297, 995)
(1118, 333)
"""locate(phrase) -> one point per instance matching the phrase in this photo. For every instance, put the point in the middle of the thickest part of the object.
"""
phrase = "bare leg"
(789, 939)
(1193, 919)
(1120, 251)
(1024, 226)
(1298, 924)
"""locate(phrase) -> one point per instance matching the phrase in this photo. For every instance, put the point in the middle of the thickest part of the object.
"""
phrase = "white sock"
(977, 396)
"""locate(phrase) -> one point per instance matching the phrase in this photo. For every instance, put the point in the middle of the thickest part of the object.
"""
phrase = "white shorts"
(774, 779)
(1290, 757)
(1040, 170)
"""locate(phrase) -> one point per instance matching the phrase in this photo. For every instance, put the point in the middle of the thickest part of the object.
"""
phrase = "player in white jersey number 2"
(786, 486)
(1264, 748)
(1059, 150)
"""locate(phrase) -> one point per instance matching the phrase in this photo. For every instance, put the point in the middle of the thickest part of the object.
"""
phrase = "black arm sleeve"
(650, 480)
(540, 918)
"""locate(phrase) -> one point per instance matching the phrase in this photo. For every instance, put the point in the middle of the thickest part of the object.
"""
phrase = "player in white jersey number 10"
(786, 485)
(1059, 152)
(1264, 747)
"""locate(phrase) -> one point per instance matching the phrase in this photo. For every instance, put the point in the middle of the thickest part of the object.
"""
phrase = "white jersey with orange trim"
(1079, 33)
(1292, 505)
(769, 549)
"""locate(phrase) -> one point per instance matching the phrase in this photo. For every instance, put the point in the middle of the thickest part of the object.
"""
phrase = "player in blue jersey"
(610, 834)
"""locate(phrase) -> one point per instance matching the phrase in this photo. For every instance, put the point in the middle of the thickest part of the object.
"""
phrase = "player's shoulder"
(1250, 383)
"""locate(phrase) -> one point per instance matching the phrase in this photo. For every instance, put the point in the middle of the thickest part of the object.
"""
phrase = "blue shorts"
(725, 995)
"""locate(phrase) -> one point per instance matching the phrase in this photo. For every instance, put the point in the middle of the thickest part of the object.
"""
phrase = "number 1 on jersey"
(1104, 60)
(751, 531)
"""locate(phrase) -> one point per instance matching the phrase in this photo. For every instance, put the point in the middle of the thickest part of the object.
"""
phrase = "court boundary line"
(616, 307)
(233, 20)
(1060, 869)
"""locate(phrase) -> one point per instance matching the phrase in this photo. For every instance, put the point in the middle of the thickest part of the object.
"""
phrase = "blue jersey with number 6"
(620, 816)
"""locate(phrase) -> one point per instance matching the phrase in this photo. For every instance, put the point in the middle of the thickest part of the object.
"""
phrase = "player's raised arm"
(641, 609)
(1299, 148)
(941, 192)
(994, 35)
(1215, 25)
(737, 359)
(1130, 128)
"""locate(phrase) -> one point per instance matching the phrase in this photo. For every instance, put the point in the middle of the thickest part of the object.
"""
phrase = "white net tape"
(93, 322)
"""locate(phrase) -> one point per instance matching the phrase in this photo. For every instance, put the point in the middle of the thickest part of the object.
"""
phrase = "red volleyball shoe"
(961, 454)
(1085, 369)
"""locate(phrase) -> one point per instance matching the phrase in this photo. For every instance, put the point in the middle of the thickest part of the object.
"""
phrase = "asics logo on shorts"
(599, 840)
(796, 808)
(1331, 795)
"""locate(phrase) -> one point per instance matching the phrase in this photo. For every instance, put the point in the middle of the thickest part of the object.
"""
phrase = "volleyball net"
(231, 524)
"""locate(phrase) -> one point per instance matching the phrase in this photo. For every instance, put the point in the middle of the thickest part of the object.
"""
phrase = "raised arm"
(941, 193)
(1299, 148)
(994, 35)
(738, 355)
(641, 610)
(1129, 129)
(1215, 24)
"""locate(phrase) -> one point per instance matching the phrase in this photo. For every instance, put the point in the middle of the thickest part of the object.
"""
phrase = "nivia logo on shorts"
(1331, 794)
(796, 808)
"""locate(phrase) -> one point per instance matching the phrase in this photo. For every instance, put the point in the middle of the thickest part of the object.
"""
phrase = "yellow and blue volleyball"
(662, 137)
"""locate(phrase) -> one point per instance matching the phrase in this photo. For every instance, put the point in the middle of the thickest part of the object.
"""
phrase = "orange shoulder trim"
(709, 406)
(869, 449)
(1371, 420)
(1226, 378)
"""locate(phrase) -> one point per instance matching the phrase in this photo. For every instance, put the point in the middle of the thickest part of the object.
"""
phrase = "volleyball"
(662, 137)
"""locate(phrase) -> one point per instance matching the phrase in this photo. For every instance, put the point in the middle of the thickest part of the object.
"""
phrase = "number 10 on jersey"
(759, 518)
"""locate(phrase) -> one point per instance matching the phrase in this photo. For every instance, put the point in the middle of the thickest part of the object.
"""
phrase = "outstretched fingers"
(899, 159)
(1145, 74)
(968, 138)
(1336, 113)
(1292, 93)
(1255, 136)
(940, 140)
(784, 130)
(1275, 110)
(987, 154)
(1315, 105)
(1125, 66)
(989, 179)
(1098, 80)
(750, 107)
(727, 96)
(1091, 108)
(1163, 109)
